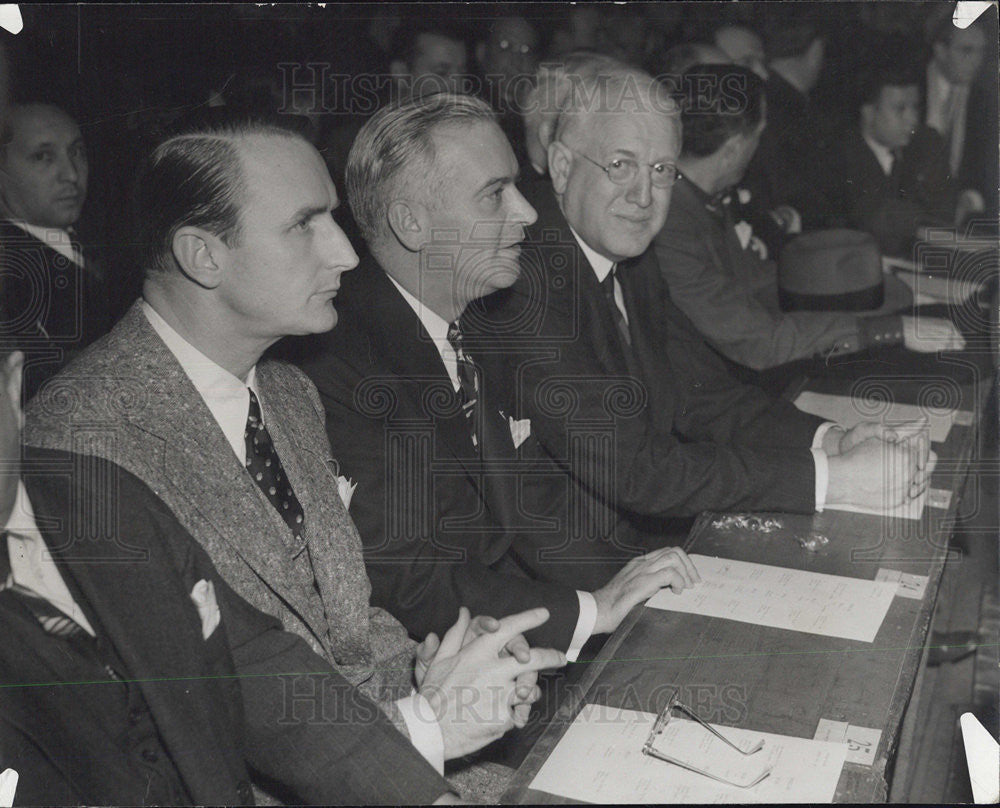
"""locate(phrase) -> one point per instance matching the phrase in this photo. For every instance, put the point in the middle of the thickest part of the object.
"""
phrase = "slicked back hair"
(194, 177)
(718, 101)
(394, 153)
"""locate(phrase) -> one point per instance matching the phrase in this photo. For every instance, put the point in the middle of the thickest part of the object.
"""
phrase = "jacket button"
(150, 755)
(243, 790)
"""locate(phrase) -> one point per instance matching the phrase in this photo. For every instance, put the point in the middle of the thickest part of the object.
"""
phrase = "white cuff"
(425, 732)
(822, 477)
(825, 427)
(584, 625)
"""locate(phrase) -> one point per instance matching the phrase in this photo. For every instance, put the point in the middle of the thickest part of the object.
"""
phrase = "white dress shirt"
(437, 329)
(31, 563)
(882, 153)
(58, 239)
(947, 111)
(602, 266)
(228, 399)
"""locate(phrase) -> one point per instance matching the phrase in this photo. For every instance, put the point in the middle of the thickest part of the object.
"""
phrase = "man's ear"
(200, 255)
(867, 114)
(408, 222)
(13, 371)
(731, 151)
(560, 161)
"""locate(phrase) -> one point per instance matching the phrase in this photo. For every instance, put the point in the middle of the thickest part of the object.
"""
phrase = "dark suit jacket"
(440, 526)
(217, 703)
(919, 191)
(663, 430)
(41, 287)
(782, 169)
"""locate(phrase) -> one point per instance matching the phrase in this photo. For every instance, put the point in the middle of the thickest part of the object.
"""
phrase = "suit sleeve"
(421, 568)
(728, 315)
(307, 728)
(725, 446)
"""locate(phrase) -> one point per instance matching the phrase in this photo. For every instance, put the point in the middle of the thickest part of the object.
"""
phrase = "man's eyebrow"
(309, 212)
(505, 180)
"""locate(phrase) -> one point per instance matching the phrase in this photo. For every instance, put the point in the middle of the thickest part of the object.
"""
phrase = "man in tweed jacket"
(240, 249)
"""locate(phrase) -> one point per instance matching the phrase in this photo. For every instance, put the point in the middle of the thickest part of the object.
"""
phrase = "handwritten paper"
(831, 605)
(849, 412)
(600, 760)
(862, 742)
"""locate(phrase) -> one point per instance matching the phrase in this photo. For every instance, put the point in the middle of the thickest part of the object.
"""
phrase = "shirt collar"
(22, 518)
(31, 563)
(599, 263)
(53, 237)
(225, 396)
(882, 153)
(437, 329)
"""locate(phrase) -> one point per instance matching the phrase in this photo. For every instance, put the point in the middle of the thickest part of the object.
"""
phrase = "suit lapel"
(403, 345)
(186, 444)
(141, 608)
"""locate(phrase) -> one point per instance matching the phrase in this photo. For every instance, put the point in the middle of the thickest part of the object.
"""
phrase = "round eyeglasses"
(623, 170)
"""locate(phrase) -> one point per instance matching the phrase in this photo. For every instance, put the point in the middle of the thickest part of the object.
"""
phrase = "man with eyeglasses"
(619, 388)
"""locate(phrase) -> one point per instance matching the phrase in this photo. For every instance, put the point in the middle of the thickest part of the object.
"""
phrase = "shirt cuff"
(425, 732)
(822, 477)
(825, 427)
(584, 625)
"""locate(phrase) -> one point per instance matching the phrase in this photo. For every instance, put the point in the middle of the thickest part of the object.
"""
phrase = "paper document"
(849, 412)
(911, 509)
(600, 759)
(814, 602)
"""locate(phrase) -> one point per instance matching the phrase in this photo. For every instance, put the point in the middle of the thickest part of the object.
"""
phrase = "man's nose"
(522, 213)
(69, 171)
(337, 249)
(640, 192)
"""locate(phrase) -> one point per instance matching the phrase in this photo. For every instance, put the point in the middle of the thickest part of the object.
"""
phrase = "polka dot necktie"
(265, 468)
(468, 380)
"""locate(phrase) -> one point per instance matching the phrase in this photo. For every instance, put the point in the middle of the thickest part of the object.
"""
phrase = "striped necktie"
(468, 381)
(52, 619)
(613, 292)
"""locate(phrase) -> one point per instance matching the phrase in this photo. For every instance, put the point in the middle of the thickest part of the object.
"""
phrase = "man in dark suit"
(960, 103)
(889, 173)
(132, 674)
(235, 446)
(43, 185)
(410, 418)
(619, 388)
(708, 260)
(780, 175)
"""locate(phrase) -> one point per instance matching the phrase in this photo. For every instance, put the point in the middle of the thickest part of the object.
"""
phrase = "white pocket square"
(519, 430)
(345, 487)
(203, 595)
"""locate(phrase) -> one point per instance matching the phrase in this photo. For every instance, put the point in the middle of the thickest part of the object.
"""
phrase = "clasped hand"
(879, 466)
(481, 677)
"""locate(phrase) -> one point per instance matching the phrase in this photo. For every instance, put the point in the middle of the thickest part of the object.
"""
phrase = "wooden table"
(754, 677)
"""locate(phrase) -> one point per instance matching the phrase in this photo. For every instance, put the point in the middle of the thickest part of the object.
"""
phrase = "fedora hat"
(838, 270)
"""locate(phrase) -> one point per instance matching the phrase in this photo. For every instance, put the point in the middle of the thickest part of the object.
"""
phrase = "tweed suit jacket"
(659, 430)
(127, 399)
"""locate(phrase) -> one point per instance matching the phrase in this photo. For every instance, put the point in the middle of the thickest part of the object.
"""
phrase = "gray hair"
(612, 92)
(393, 144)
